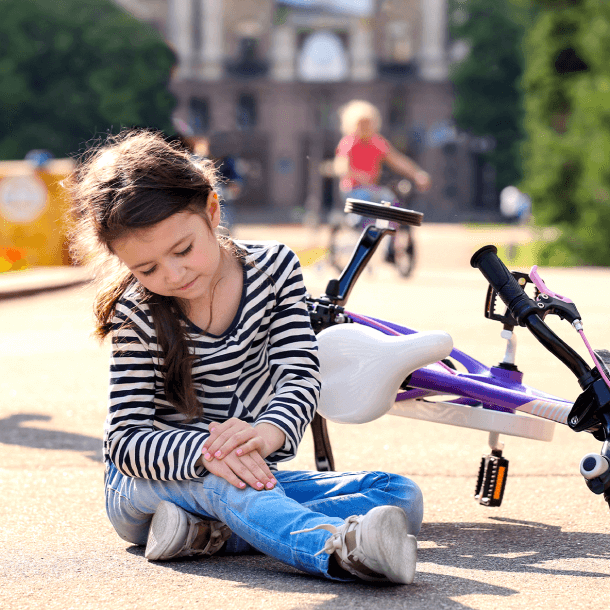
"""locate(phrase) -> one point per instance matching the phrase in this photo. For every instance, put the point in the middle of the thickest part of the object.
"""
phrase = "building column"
(433, 54)
(212, 47)
(361, 51)
(180, 34)
(283, 53)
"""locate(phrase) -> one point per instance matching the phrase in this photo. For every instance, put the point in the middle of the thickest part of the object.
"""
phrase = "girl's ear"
(213, 207)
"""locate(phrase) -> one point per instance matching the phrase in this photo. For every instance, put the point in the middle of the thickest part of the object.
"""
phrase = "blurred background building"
(262, 80)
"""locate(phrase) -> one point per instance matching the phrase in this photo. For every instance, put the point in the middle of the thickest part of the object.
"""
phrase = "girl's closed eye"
(185, 252)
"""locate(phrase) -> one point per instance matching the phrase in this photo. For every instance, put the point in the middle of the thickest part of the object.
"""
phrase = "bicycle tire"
(404, 253)
(382, 212)
(338, 256)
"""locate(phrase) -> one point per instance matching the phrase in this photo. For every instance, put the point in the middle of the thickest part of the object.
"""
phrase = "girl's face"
(178, 257)
(365, 128)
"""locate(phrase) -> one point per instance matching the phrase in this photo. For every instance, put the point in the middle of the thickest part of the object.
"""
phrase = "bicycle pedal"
(491, 480)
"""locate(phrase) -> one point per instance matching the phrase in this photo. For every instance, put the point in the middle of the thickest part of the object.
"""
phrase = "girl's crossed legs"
(265, 519)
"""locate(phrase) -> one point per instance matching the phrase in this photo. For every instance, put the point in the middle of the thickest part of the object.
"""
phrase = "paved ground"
(547, 546)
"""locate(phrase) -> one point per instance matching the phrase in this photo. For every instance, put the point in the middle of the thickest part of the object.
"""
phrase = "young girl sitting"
(213, 379)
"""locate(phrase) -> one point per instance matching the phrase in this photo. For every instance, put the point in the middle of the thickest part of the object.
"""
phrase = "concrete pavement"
(16, 284)
(548, 545)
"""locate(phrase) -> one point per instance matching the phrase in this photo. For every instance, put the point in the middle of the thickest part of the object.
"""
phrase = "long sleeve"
(293, 359)
(135, 439)
(262, 368)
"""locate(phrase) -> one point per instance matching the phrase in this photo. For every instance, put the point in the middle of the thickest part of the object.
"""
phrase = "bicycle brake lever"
(549, 302)
(542, 287)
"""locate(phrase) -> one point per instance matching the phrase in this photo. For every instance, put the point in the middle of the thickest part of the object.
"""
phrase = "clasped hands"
(235, 451)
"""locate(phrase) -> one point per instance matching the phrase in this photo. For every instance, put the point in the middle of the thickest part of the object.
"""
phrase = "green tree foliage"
(72, 69)
(487, 81)
(567, 101)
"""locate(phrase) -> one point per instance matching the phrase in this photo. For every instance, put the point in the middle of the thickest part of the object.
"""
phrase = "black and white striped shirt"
(264, 368)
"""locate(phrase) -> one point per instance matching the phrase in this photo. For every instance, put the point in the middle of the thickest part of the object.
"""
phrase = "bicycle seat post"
(380, 223)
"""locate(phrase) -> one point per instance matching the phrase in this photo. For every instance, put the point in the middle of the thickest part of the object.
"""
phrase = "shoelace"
(217, 539)
(335, 542)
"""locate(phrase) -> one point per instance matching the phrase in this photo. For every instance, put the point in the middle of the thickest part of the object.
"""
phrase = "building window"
(199, 115)
(248, 49)
(246, 112)
(323, 58)
(323, 110)
(398, 110)
(247, 63)
(399, 42)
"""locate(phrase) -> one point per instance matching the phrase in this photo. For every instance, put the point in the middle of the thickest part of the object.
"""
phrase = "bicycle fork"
(493, 470)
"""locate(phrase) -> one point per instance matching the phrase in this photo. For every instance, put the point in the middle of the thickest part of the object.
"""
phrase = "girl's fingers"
(262, 477)
(264, 467)
(220, 469)
(216, 429)
(254, 444)
(220, 434)
(242, 471)
(223, 446)
(214, 446)
(237, 440)
(249, 470)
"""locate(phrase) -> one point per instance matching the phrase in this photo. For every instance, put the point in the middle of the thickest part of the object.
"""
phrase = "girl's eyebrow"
(167, 252)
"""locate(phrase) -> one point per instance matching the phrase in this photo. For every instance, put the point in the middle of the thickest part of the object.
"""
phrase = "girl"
(362, 151)
(214, 378)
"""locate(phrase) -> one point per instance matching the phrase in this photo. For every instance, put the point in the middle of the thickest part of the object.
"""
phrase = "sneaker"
(375, 547)
(175, 533)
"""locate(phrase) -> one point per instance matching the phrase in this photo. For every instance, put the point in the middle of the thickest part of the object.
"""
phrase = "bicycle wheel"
(404, 251)
(341, 246)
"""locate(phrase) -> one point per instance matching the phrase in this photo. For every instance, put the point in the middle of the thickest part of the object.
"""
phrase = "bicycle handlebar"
(503, 282)
(525, 311)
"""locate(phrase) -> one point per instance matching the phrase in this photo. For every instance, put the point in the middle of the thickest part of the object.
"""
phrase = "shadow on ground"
(510, 545)
(498, 546)
(15, 430)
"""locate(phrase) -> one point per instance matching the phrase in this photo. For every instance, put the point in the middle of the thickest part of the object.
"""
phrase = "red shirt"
(364, 156)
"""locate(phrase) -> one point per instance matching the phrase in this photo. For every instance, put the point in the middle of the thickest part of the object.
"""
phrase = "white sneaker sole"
(167, 533)
(388, 548)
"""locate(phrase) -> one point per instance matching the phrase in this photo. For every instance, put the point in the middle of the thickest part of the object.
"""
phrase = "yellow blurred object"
(311, 256)
(32, 208)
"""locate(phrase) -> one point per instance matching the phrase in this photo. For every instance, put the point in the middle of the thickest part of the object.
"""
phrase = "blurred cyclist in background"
(359, 158)
(362, 151)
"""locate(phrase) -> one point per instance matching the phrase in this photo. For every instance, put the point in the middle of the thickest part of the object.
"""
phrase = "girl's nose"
(174, 272)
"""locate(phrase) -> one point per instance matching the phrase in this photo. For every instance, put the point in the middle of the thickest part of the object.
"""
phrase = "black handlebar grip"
(502, 281)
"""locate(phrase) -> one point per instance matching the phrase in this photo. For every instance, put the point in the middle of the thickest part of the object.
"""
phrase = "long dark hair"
(133, 181)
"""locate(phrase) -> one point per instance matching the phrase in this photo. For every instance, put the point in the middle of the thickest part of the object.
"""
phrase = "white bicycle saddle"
(362, 368)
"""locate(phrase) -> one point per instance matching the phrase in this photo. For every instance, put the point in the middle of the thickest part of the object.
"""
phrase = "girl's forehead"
(170, 227)
(158, 236)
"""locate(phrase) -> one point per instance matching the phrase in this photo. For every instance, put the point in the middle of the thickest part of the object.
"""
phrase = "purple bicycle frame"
(493, 388)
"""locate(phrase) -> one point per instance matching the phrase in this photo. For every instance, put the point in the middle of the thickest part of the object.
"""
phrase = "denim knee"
(130, 524)
(410, 498)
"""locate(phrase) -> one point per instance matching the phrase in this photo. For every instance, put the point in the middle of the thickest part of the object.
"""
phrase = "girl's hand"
(422, 181)
(240, 471)
(233, 435)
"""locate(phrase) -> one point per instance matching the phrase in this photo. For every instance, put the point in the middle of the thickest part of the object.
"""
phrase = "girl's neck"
(215, 311)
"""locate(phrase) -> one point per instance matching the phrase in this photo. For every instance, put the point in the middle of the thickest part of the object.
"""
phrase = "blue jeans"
(376, 194)
(264, 519)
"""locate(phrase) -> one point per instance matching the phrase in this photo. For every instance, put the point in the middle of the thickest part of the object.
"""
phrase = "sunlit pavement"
(548, 545)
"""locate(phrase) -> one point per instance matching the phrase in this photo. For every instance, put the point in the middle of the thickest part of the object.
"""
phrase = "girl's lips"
(187, 286)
